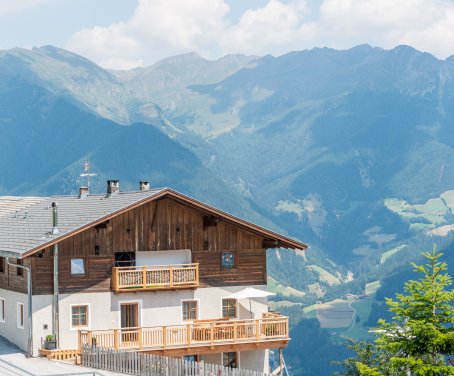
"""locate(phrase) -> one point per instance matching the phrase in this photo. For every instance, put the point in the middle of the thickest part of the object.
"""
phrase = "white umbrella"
(249, 293)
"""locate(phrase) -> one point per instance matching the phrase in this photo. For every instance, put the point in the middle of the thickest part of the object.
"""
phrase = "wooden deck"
(271, 329)
(152, 278)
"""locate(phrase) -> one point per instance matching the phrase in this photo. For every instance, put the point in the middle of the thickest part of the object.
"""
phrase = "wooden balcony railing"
(158, 277)
(197, 334)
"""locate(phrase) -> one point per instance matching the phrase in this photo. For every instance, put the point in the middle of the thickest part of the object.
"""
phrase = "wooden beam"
(201, 350)
(270, 243)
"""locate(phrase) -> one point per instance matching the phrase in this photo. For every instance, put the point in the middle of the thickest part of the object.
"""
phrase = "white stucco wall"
(254, 360)
(9, 328)
(181, 256)
(249, 360)
(156, 309)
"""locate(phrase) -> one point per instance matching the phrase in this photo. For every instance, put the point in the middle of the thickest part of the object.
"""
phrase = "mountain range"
(351, 151)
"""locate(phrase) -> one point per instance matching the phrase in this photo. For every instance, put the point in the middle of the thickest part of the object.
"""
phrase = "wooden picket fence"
(141, 364)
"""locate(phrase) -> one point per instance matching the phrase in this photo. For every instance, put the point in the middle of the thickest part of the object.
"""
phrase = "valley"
(350, 151)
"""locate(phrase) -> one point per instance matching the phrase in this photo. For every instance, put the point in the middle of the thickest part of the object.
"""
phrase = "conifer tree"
(419, 339)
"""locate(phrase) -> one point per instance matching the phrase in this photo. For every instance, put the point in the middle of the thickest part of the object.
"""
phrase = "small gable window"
(227, 260)
(77, 266)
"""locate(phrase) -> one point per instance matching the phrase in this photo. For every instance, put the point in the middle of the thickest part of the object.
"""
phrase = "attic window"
(77, 266)
(227, 260)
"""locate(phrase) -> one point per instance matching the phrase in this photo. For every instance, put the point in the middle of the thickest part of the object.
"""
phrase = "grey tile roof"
(26, 222)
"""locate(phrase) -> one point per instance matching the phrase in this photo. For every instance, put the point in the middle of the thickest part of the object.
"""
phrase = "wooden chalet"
(151, 270)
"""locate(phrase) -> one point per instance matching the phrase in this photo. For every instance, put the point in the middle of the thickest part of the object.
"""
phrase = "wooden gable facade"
(165, 223)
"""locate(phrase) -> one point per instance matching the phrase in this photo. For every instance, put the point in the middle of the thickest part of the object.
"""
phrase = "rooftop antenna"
(87, 174)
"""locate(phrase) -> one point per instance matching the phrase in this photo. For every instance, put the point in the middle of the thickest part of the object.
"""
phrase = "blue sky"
(123, 34)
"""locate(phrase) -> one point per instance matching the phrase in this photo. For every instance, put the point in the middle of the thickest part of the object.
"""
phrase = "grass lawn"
(390, 253)
(372, 287)
(325, 275)
(433, 211)
(335, 314)
(283, 303)
(277, 288)
(448, 198)
(310, 312)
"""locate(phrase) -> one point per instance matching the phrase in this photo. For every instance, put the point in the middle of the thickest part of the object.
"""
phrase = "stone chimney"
(113, 187)
(144, 185)
(83, 192)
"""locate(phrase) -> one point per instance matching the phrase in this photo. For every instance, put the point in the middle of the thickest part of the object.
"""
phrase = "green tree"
(419, 339)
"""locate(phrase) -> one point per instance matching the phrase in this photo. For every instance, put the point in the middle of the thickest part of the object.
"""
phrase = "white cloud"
(159, 28)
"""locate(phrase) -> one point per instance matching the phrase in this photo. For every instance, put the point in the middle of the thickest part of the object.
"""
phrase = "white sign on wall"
(150, 258)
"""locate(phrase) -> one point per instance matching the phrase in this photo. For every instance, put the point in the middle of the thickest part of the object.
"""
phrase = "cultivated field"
(324, 275)
(335, 314)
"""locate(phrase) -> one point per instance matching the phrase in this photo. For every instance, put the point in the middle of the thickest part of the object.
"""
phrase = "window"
(229, 359)
(2, 265)
(19, 271)
(79, 316)
(2, 310)
(77, 266)
(190, 310)
(229, 307)
(227, 260)
(191, 358)
(20, 315)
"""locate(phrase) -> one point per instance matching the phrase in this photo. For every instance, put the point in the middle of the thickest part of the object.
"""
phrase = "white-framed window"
(77, 266)
(229, 307)
(20, 315)
(80, 316)
(190, 309)
(2, 310)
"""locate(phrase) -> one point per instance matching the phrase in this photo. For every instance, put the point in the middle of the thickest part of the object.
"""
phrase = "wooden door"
(129, 323)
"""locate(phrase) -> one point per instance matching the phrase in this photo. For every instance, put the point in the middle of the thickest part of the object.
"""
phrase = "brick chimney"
(113, 187)
(144, 185)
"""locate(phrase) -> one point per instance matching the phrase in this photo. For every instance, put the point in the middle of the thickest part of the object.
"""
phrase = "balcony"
(271, 331)
(152, 278)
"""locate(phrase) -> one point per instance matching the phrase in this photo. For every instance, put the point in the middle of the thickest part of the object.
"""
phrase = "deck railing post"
(144, 277)
(164, 336)
(212, 333)
(196, 275)
(171, 276)
(115, 279)
(188, 334)
(140, 337)
(116, 339)
(257, 329)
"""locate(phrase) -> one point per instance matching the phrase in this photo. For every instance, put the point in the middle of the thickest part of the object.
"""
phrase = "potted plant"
(50, 343)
